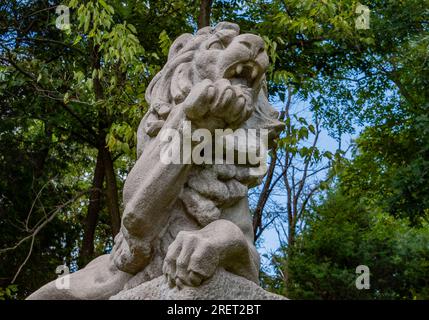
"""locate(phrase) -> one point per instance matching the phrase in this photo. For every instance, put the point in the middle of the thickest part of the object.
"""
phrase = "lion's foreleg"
(150, 189)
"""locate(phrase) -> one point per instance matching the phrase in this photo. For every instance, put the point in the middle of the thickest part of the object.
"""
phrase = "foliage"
(8, 293)
(376, 212)
(65, 95)
(345, 234)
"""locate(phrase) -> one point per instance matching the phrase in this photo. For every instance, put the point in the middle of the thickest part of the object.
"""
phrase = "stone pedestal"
(223, 286)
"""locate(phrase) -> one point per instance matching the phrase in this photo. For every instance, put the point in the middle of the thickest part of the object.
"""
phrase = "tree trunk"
(292, 233)
(94, 208)
(205, 12)
(263, 197)
(111, 187)
(111, 192)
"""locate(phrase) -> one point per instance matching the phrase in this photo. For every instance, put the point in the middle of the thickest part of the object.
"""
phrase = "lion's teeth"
(254, 73)
(239, 68)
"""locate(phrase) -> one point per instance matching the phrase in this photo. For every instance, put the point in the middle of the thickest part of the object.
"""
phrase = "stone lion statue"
(182, 223)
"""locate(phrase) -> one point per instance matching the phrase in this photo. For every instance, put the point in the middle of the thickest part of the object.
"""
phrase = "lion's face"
(214, 54)
(239, 58)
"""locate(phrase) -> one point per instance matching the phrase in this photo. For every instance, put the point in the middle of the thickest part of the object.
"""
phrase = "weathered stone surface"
(184, 221)
(99, 280)
(223, 286)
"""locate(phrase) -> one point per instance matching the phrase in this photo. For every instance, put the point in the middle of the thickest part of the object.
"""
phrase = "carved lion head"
(213, 53)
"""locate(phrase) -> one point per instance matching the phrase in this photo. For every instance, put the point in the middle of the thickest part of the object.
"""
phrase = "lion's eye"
(217, 45)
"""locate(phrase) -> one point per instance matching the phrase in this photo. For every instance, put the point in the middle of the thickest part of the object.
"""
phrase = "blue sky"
(270, 240)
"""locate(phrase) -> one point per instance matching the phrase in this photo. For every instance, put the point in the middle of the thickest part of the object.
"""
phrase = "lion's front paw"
(218, 103)
(126, 259)
(121, 254)
(190, 259)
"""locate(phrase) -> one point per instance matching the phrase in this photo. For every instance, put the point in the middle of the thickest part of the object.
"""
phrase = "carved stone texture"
(183, 223)
(222, 286)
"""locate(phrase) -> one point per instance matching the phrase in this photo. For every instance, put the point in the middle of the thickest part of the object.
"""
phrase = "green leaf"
(132, 28)
(87, 21)
(303, 133)
(328, 155)
(66, 98)
(303, 152)
(106, 6)
(125, 148)
(77, 40)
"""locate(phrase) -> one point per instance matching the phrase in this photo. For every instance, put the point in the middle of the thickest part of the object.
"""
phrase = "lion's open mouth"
(244, 73)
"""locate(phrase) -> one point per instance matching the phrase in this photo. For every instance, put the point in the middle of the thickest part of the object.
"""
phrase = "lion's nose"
(252, 42)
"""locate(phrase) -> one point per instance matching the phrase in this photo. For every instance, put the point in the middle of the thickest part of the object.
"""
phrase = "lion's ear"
(178, 45)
